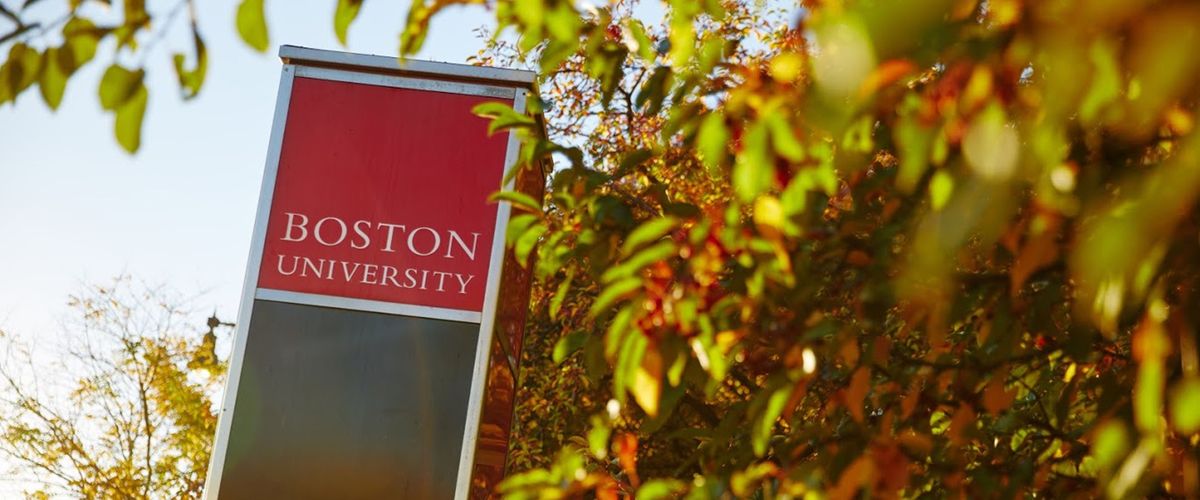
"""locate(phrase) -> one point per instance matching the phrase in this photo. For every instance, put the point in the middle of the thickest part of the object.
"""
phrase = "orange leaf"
(856, 393)
(995, 398)
(626, 447)
(885, 74)
(858, 473)
(963, 419)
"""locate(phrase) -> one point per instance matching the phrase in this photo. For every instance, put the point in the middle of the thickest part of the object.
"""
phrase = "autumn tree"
(902, 248)
(124, 408)
(937, 247)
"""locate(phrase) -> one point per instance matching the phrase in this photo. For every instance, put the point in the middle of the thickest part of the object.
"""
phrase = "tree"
(902, 248)
(938, 247)
(126, 410)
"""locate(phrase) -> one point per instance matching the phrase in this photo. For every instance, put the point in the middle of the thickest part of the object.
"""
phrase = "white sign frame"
(387, 72)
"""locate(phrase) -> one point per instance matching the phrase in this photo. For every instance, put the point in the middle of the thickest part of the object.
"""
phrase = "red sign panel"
(381, 194)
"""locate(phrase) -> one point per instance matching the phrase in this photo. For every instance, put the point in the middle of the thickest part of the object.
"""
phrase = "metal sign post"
(381, 317)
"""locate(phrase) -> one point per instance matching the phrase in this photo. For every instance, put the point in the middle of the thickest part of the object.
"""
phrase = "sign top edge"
(292, 54)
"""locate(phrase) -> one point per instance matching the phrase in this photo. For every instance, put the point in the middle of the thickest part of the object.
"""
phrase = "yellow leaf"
(647, 382)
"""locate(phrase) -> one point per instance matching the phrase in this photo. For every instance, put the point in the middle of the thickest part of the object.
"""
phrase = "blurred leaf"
(614, 292)
(856, 393)
(81, 37)
(647, 382)
(648, 232)
(518, 200)
(568, 344)
(128, 125)
(252, 24)
(754, 171)
(660, 489)
(1109, 444)
(525, 244)
(346, 12)
(190, 80)
(560, 294)
(503, 116)
(764, 424)
(1185, 405)
(53, 81)
(940, 189)
(118, 86)
(712, 140)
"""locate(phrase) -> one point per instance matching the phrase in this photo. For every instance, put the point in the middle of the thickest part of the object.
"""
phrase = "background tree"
(126, 409)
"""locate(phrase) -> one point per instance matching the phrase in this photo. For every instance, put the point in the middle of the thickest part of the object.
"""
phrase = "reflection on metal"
(343, 397)
(343, 404)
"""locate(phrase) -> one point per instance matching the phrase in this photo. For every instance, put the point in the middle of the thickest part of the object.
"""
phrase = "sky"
(75, 208)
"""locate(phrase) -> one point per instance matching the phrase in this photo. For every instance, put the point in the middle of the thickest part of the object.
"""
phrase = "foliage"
(126, 410)
(47, 52)
(938, 247)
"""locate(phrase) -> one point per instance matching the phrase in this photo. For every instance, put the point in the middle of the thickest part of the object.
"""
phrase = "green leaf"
(764, 425)
(647, 232)
(560, 294)
(19, 71)
(940, 189)
(629, 360)
(118, 85)
(568, 344)
(645, 46)
(347, 11)
(754, 172)
(81, 38)
(615, 335)
(1109, 444)
(525, 244)
(563, 23)
(614, 292)
(654, 91)
(712, 141)
(783, 138)
(683, 32)
(1185, 405)
(518, 199)
(53, 81)
(1106, 80)
(129, 119)
(655, 253)
(503, 116)
(252, 24)
(598, 437)
(659, 489)
(190, 80)
(517, 226)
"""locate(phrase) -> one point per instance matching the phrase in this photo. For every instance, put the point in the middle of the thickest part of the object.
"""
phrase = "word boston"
(420, 242)
(371, 325)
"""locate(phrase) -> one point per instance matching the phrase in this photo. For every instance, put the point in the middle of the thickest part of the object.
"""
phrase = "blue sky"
(75, 208)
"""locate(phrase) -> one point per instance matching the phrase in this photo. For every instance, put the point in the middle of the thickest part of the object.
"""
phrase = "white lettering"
(362, 233)
(462, 285)
(437, 241)
(341, 234)
(291, 217)
(454, 237)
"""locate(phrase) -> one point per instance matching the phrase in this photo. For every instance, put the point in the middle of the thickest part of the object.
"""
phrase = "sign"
(373, 357)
